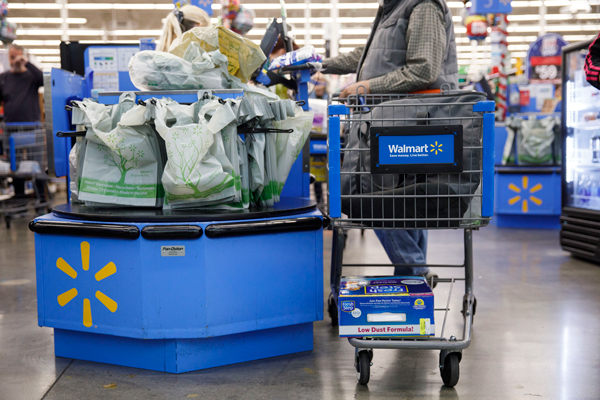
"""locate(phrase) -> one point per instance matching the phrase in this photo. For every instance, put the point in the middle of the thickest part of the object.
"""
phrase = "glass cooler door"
(581, 108)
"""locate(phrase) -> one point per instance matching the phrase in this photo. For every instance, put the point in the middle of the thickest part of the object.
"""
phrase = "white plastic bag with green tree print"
(289, 145)
(121, 164)
(193, 177)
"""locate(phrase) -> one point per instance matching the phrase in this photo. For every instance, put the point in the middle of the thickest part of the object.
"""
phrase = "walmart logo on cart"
(417, 149)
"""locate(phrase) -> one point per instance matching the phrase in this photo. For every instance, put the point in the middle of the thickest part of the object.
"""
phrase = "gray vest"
(386, 51)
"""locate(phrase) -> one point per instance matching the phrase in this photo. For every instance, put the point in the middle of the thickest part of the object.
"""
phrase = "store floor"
(536, 335)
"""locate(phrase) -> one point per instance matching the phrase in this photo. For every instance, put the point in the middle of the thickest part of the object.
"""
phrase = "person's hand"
(21, 60)
(361, 87)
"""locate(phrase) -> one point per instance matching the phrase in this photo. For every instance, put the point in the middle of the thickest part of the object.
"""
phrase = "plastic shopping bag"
(289, 145)
(121, 164)
(304, 55)
(536, 141)
(243, 55)
(223, 120)
(193, 177)
(194, 70)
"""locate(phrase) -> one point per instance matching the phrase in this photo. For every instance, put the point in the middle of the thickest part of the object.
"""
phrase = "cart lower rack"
(411, 162)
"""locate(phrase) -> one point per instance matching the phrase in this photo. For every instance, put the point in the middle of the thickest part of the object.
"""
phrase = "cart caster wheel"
(362, 232)
(7, 221)
(363, 367)
(451, 371)
(332, 311)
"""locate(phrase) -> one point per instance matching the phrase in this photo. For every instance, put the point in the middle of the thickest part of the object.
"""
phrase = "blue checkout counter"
(176, 290)
(526, 196)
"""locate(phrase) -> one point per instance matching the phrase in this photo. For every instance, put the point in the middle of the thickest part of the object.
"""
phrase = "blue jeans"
(405, 247)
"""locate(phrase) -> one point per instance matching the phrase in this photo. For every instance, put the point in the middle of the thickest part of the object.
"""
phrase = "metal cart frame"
(481, 149)
(24, 141)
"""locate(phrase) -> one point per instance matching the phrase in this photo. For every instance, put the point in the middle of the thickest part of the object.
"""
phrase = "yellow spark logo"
(436, 148)
(521, 196)
(108, 270)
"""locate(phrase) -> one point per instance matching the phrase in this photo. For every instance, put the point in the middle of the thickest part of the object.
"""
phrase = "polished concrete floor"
(536, 335)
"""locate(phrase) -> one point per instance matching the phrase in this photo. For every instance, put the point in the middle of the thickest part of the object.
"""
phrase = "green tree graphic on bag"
(189, 156)
(120, 156)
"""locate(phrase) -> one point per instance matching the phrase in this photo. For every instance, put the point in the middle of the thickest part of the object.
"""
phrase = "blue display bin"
(177, 295)
(528, 197)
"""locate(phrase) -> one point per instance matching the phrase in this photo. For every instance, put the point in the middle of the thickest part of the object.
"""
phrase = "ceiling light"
(31, 20)
(48, 59)
(110, 41)
(135, 32)
(35, 6)
(37, 42)
(43, 51)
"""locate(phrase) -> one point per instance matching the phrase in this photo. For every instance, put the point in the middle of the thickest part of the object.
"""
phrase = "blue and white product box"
(385, 307)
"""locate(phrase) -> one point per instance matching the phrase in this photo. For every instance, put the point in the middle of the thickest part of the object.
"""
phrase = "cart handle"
(71, 134)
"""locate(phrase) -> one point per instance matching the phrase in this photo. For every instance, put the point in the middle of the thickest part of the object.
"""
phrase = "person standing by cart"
(411, 47)
(19, 88)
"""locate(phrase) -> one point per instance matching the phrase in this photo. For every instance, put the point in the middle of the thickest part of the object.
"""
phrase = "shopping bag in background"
(245, 171)
(535, 141)
(243, 55)
(221, 119)
(289, 145)
(121, 163)
(255, 147)
(195, 69)
(192, 177)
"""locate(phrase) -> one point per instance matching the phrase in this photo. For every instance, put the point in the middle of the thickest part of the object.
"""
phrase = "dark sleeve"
(39, 75)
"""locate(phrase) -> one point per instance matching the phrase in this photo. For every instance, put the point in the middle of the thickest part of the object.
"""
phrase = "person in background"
(181, 20)
(19, 88)
(411, 47)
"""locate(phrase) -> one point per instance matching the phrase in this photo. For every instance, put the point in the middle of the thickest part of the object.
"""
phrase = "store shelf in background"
(528, 197)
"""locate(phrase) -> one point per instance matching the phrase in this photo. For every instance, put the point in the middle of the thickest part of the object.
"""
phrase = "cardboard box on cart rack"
(385, 307)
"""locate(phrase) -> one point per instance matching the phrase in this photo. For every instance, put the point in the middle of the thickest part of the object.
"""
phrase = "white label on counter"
(172, 251)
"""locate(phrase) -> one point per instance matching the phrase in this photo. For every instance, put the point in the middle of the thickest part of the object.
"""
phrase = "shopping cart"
(24, 148)
(381, 186)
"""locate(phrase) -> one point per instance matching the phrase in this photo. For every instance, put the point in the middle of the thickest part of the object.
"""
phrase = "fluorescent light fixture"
(32, 20)
(39, 32)
(353, 42)
(35, 6)
(43, 51)
(386, 317)
(360, 6)
(110, 41)
(37, 42)
(135, 32)
(356, 31)
(555, 28)
(118, 6)
(312, 42)
(58, 32)
(48, 59)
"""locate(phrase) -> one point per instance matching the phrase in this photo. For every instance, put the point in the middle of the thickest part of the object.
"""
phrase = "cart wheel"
(332, 310)
(362, 232)
(363, 367)
(7, 221)
(451, 371)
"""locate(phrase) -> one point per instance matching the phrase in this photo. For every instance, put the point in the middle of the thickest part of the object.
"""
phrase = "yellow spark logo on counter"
(436, 148)
(521, 190)
(108, 270)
